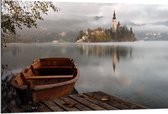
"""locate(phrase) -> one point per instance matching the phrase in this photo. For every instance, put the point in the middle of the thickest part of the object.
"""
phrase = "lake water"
(136, 71)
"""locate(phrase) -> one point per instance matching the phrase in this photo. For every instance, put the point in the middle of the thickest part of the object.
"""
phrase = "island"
(117, 33)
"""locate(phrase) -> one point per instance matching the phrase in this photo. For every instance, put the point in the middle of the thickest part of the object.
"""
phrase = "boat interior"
(45, 72)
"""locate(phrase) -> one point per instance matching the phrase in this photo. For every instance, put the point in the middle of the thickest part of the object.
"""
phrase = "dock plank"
(124, 102)
(62, 104)
(75, 104)
(43, 108)
(87, 103)
(110, 101)
(100, 103)
(116, 101)
(53, 106)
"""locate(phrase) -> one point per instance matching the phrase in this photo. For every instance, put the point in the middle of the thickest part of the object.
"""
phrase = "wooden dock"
(87, 102)
(91, 101)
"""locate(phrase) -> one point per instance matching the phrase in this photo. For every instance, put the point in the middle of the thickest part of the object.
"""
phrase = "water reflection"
(137, 69)
(101, 50)
(14, 51)
(115, 59)
(116, 52)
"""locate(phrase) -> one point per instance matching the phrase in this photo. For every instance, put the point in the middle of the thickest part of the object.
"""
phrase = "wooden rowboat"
(46, 79)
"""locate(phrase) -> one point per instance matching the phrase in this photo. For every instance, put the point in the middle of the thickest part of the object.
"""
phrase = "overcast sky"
(137, 13)
(74, 17)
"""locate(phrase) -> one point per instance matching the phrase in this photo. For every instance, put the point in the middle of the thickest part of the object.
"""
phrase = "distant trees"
(81, 33)
(105, 35)
(15, 14)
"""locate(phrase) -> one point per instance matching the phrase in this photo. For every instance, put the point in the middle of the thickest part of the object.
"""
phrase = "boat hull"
(52, 93)
(41, 88)
(35, 96)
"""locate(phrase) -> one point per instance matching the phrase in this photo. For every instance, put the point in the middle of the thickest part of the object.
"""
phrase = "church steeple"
(114, 22)
(114, 15)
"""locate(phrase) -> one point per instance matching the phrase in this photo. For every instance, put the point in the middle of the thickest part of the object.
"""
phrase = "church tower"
(114, 22)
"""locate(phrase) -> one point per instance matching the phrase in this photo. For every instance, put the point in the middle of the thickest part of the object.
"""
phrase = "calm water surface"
(135, 71)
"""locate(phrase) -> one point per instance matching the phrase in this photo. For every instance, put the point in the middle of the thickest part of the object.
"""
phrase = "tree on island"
(122, 33)
(16, 14)
(116, 33)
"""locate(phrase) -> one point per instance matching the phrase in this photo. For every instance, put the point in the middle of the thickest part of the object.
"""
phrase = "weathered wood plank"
(123, 103)
(52, 66)
(87, 103)
(62, 104)
(98, 102)
(43, 108)
(48, 77)
(109, 101)
(53, 106)
(73, 103)
(33, 70)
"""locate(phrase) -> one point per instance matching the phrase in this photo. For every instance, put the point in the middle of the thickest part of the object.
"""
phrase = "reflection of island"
(114, 52)
(102, 50)
(116, 33)
(115, 59)
(120, 52)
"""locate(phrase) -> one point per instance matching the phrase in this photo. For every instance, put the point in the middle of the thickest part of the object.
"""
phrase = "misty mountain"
(165, 23)
(98, 17)
(161, 23)
(49, 30)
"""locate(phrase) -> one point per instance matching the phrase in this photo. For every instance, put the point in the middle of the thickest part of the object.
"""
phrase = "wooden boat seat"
(68, 67)
(48, 77)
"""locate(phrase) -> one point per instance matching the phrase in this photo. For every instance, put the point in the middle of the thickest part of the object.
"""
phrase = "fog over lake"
(134, 71)
(73, 17)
